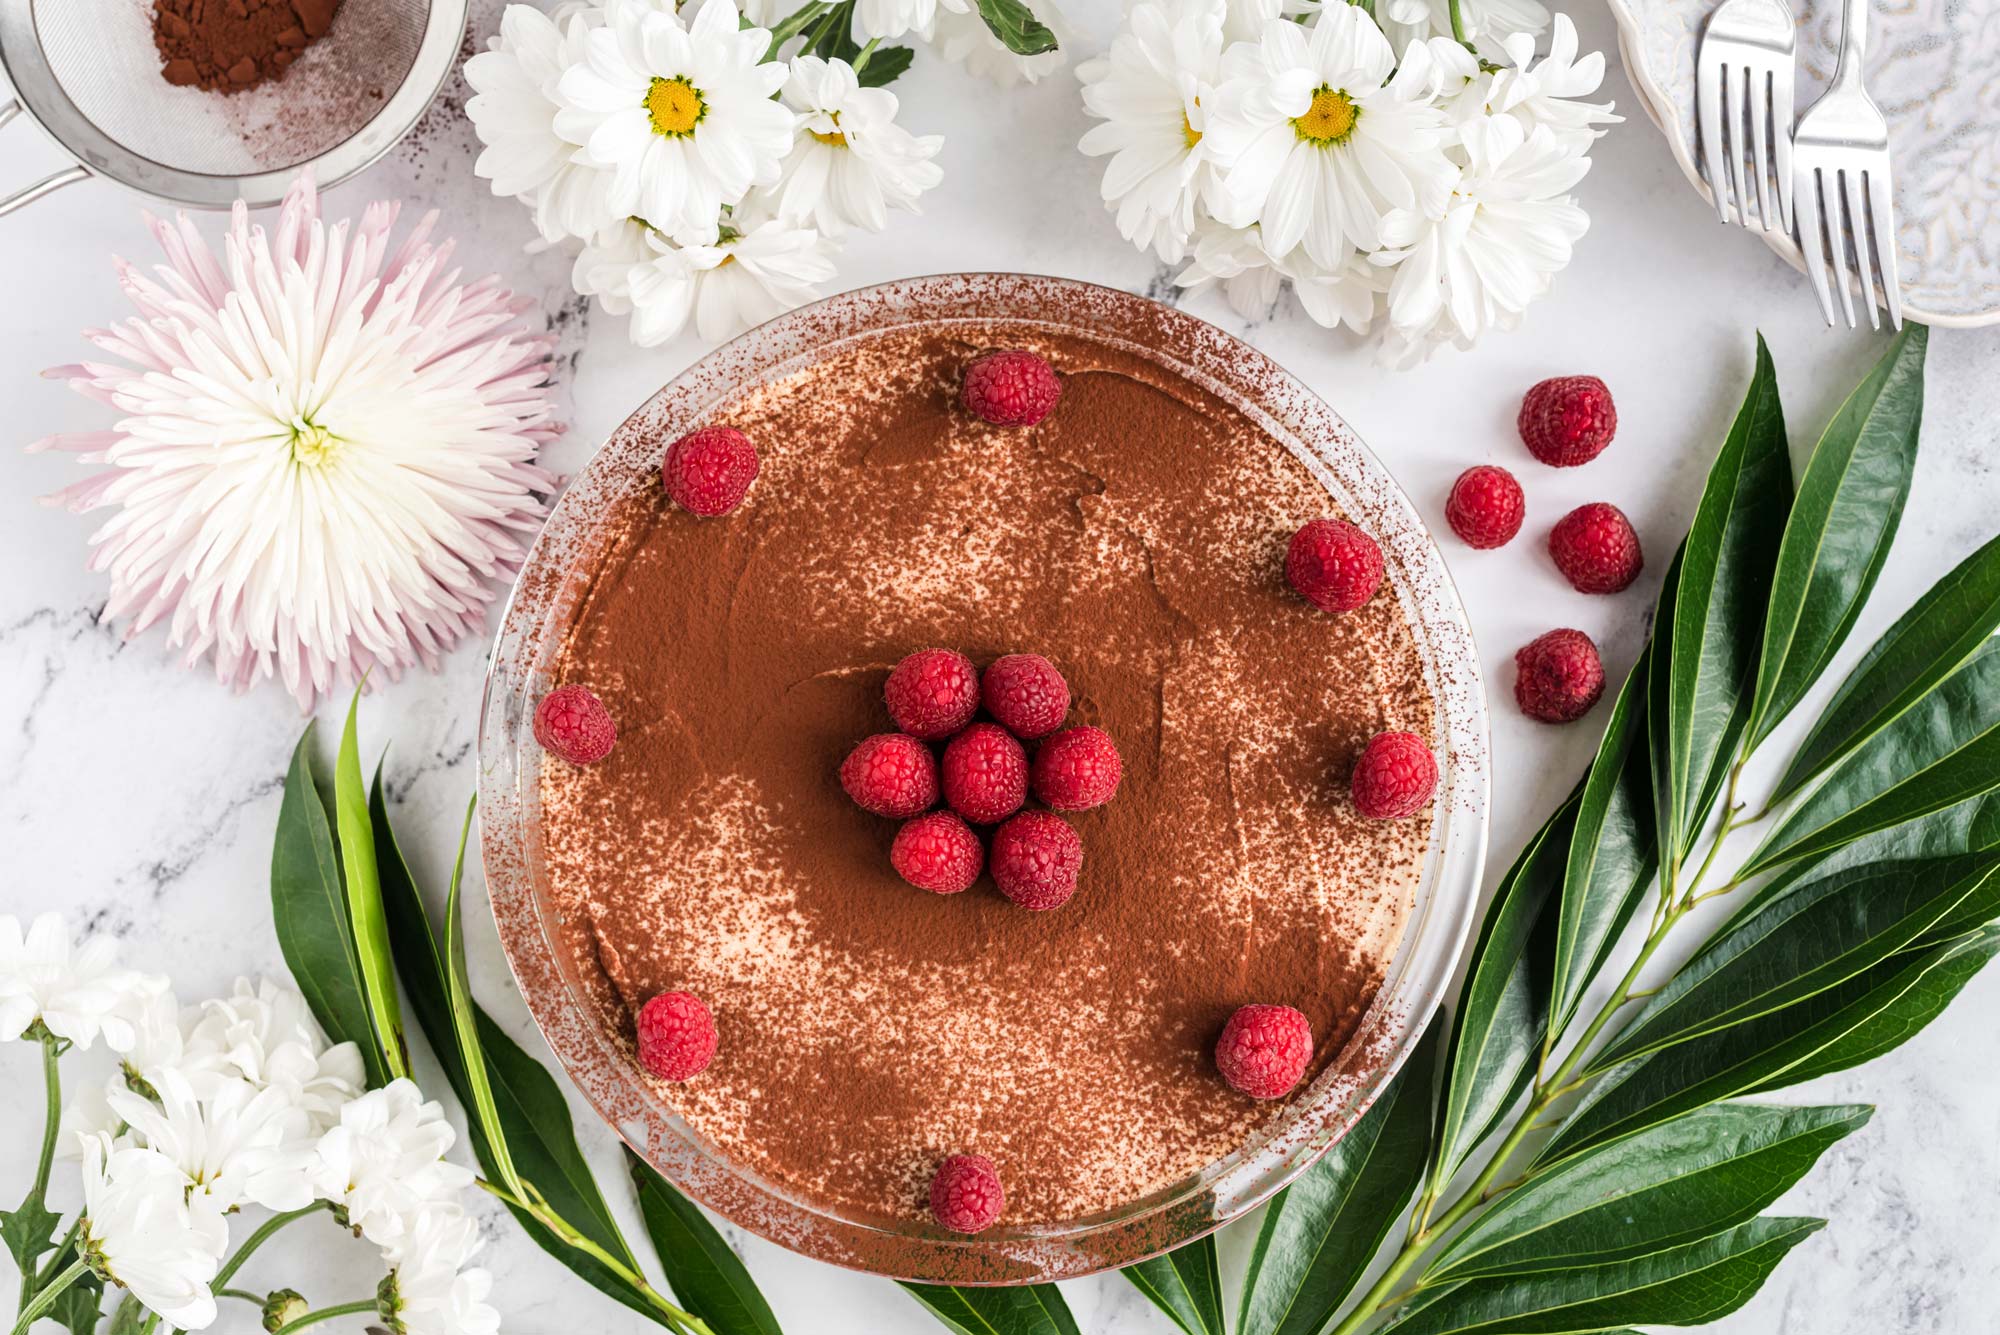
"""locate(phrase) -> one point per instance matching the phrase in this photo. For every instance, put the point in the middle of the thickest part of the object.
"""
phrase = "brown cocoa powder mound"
(225, 46)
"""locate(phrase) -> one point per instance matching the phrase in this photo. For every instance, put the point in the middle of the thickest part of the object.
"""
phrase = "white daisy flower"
(893, 18)
(1244, 20)
(77, 995)
(1318, 142)
(1486, 22)
(682, 114)
(513, 110)
(238, 1145)
(757, 269)
(266, 1035)
(431, 1291)
(140, 1229)
(1235, 259)
(1348, 294)
(633, 270)
(962, 37)
(1546, 92)
(385, 1161)
(1153, 90)
(851, 163)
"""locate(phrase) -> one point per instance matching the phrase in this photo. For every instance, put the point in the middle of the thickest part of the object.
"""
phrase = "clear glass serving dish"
(530, 635)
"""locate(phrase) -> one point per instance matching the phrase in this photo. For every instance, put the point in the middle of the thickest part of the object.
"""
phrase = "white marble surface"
(140, 799)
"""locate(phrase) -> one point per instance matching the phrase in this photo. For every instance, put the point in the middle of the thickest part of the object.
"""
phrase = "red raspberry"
(966, 1196)
(891, 775)
(707, 472)
(1560, 676)
(1595, 548)
(1010, 388)
(1077, 769)
(1264, 1050)
(985, 774)
(1334, 565)
(1567, 421)
(1027, 695)
(1485, 507)
(574, 724)
(1395, 776)
(938, 853)
(676, 1036)
(1036, 859)
(933, 693)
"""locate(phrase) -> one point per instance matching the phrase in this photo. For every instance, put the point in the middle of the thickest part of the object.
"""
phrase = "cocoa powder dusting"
(228, 45)
(1136, 538)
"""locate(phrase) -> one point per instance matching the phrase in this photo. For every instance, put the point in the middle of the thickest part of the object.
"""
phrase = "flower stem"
(259, 1238)
(46, 1299)
(51, 1122)
(861, 61)
(317, 1315)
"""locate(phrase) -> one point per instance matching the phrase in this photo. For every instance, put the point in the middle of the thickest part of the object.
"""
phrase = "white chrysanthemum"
(78, 995)
(962, 37)
(266, 1035)
(1244, 20)
(431, 1291)
(236, 1145)
(1547, 92)
(513, 110)
(851, 163)
(385, 1161)
(1153, 89)
(140, 1228)
(1348, 294)
(893, 18)
(325, 458)
(681, 113)
(1318, 142)
(1486, 22)
(748, 276)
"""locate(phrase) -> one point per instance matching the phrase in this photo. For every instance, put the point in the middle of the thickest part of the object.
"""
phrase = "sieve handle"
(54, 181)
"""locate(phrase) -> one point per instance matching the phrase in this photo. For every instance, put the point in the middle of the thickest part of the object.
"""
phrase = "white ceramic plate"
(1934, 68)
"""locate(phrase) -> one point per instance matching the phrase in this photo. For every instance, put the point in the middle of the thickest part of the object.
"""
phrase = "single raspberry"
(709, 471)
(938, 853)
(1026, 694)
(1595, 548)
(1010, 388)
(1560, 676)
(985, 774)
(891, 775)
(933, 693)
(1077, 769)
(676, 1036)
(574, 724)
(1264, 1050)
(1395, 776)
(1036, 859)
(1485, 507)
(966, 1196)
(1568, 420)
(1333, 565)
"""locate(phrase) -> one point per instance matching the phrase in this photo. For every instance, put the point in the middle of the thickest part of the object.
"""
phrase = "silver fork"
(1840, 162)
(1743, 86)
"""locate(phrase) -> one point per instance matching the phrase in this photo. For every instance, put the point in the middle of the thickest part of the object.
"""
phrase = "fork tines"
(1743, 107)
(1844, 210)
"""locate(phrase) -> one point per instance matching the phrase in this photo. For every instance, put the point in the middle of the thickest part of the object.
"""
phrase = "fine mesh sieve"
(87, 72)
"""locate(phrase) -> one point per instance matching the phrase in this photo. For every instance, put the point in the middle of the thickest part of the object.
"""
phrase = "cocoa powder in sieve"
(226, 46)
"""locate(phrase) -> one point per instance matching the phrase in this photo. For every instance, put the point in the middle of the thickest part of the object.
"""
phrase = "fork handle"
(1853, 41)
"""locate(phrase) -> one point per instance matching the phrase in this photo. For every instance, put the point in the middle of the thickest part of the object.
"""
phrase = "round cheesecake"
(868, 1029)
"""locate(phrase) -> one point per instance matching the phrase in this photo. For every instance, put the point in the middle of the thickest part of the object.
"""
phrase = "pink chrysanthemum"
(327, 455)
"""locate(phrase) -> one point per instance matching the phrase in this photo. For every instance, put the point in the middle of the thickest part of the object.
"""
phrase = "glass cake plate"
(539, 612)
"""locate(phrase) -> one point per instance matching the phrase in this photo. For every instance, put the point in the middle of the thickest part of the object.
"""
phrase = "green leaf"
(1842, 524)
(79, 1307)
(885, 65)
(1017, 27)
(1928, 643)
(364, 901)
(1186, 1284)
(309, 913)
(1025, 1309)
(1688, 1285)
(414, 947)
(129, 1317)
(1320, 1233)
(29, 1232)
(465, 1020)
(705, 1274)
(1824, 932)
(1667, 1186)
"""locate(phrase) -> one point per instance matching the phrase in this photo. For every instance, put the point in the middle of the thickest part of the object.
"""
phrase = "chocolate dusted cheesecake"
(865, 1030)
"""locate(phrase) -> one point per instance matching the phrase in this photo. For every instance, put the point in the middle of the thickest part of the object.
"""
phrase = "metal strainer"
(87, 73)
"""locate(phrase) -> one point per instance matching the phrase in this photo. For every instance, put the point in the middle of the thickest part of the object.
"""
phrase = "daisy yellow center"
(1330, 118)
(313, 444)
(1189, 135)
(675, 107)
(833, 138)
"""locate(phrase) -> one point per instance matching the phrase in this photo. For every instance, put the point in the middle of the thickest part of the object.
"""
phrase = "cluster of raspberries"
(983, 774)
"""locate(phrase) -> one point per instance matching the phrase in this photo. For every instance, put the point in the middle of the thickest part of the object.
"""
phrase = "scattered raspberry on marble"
(709, 471)
(1395, 776)
(1026, 694)
(1333, 565)
(1485, 507)
(676, 1036)
(573, 723)
(1559, 676)
(1037, 857)
(1011, 388)
(933, 693)
(1264, 1050)
(1077, 769)
(985, 774)
(1596, 549)
(891, 775)
(1567, 420)
(966, 1196)
(938, 853)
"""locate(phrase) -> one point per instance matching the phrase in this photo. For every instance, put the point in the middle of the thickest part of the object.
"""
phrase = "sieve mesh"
(101, 54)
